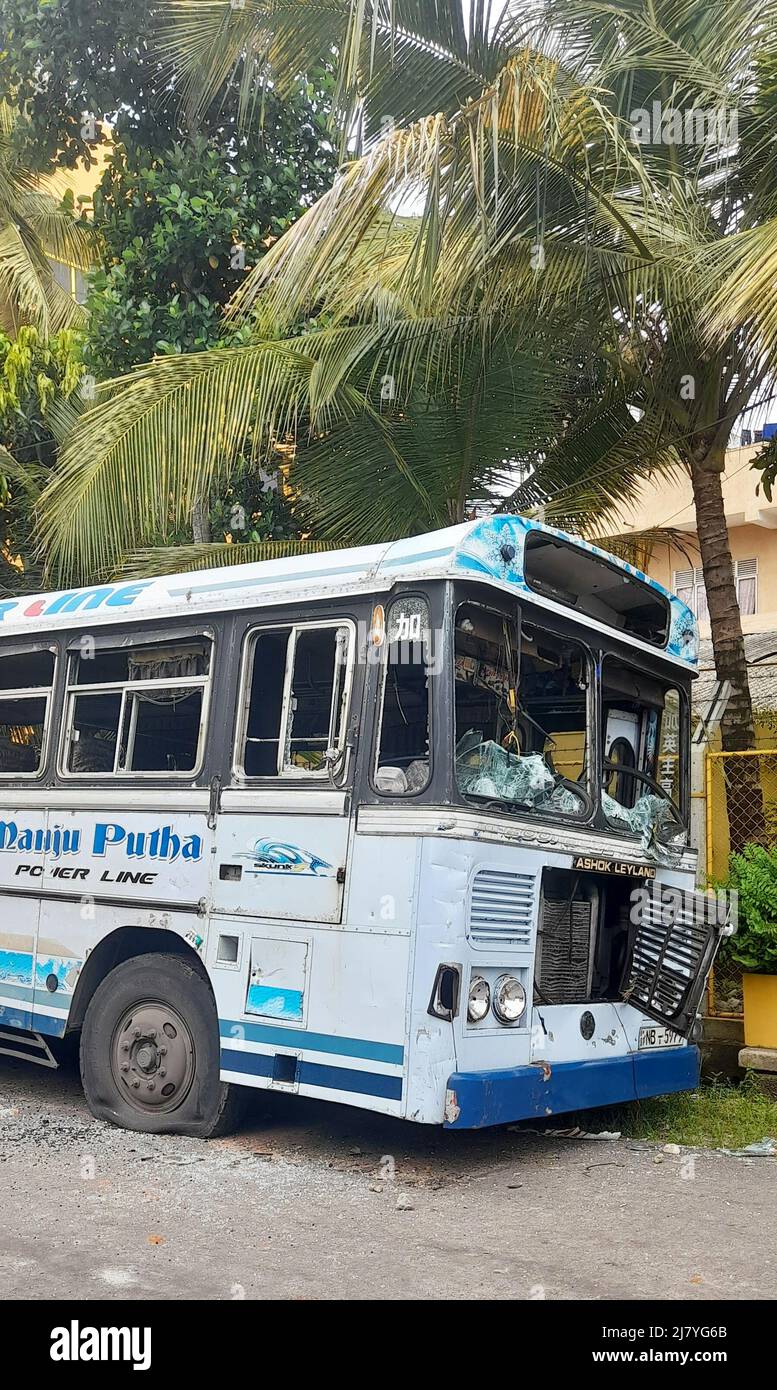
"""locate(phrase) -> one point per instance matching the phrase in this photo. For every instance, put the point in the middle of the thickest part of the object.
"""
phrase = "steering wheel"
(578, 790)
(649, 781)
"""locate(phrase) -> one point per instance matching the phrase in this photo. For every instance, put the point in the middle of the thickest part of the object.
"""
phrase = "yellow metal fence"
(741, 808)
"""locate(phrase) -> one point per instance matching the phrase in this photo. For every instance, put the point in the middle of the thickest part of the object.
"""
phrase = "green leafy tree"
(189, 201)
(99, 59)
(754, 877)
(39, 396)
(183, 225)
(545, 231)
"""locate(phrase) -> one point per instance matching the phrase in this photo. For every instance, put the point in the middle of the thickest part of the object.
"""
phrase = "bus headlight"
(509, 999)
(479, 999)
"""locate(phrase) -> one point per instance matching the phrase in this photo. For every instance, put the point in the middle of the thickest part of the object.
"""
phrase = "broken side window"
(137, 709)
(26, 679)
(296, 700)
(645, 777)
(403, 765)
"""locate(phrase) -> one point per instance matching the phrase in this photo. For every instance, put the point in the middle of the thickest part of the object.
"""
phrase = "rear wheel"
(150, 1052)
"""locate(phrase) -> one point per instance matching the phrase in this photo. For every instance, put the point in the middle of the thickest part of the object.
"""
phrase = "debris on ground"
(573, 1132)
(762, 1148)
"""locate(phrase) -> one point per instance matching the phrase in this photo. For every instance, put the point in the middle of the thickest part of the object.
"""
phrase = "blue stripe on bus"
(314, 1042)
(26, 992)
(257, 580)
(14, 1016)
(395, 561)
(365, 1083)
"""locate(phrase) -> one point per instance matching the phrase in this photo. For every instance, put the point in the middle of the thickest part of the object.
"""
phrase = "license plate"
(658, 1037)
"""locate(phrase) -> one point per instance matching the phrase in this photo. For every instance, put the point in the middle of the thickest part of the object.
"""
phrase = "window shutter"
(747, 585)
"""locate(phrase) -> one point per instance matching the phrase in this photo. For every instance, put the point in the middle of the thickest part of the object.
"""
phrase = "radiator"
(565, 950)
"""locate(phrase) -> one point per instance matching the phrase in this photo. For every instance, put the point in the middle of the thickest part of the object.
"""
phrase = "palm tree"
(34, 226)
(502, 274)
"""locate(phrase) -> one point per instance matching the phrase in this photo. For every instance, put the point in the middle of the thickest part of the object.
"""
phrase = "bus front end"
(561, 946)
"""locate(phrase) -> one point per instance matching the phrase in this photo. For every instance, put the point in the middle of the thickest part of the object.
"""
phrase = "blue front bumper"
(527, 1093)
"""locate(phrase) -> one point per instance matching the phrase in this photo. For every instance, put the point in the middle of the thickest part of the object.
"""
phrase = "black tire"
(150, 1052)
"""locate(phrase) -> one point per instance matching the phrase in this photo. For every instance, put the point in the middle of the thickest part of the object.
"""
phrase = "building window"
(70, 279)
(689, 586)
(296, 701)
(137, 710)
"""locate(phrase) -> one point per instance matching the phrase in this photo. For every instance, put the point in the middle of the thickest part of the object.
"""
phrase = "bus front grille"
(674, 947)
(501, 908)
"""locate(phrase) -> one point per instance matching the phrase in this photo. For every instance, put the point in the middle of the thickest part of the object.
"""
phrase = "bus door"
(282, 830)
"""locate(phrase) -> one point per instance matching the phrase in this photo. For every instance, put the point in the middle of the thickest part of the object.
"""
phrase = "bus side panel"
(329, 1020)
(289, 866)
(345, 1038)
(106, 871)
(17, 957)
(20, 913)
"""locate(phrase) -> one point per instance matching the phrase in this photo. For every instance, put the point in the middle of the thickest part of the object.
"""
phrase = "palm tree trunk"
(743, 788)
(200, 523)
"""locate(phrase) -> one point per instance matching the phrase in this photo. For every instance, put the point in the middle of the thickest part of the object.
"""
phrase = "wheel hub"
(152, 1057)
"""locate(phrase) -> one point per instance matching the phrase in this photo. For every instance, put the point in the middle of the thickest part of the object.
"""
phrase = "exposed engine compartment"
(584, 937)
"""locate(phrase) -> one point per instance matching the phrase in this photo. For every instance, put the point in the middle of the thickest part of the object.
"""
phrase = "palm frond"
(742, 270)
(34, 226)
(600, 459)
(639, 547)
(73, 240)
(139, 460)
(702, 46)
(458, 405)
(474, 178)
(150, 561)
(404, 57)
(30, 476)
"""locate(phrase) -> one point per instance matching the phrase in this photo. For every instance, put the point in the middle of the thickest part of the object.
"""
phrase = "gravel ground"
(313, 1201)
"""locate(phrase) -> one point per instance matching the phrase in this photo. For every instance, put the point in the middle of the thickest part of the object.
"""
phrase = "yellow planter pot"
(760, 1010)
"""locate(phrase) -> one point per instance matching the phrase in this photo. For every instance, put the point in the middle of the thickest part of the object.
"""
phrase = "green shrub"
(754, 876)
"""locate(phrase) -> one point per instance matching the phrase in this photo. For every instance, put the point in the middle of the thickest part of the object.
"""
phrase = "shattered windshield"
(520, 723)
(644, 752)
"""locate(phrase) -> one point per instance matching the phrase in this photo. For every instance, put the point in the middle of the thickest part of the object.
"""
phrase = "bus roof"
(605, 593)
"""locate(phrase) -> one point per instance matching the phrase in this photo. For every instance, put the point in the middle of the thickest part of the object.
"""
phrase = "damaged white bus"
(388, 826)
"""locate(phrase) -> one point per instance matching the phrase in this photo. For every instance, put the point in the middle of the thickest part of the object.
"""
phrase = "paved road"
(311, 1201)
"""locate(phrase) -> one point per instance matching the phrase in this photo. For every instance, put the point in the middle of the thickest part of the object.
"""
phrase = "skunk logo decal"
(274, 857)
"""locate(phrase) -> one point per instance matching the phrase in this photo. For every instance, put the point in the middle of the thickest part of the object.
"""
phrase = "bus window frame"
(125, 639)
(669, 681)
(528, 614)
(402, 798)
(34, 692)
(298, 776)
(557, 631)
